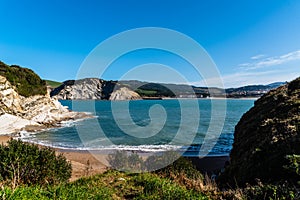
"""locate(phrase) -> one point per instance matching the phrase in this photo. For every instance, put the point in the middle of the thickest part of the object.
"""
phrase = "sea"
(194, 127)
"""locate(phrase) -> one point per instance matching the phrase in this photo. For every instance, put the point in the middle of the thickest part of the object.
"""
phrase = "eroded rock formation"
(37, 110)
(93, 88)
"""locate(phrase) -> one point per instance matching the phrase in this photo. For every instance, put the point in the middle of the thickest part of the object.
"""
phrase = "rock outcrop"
(89, 88)
(264, 137)
(38, 110)
(93, 88)
(124, 94)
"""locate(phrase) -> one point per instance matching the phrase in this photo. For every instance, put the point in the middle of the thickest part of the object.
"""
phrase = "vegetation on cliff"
(26, 82)
(267, 140)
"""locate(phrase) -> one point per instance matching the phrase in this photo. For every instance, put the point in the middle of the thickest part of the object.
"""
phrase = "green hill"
(26, 82)
(53, 84)
(267, 139)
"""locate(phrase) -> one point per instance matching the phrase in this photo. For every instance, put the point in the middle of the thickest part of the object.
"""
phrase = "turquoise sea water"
(146, 125)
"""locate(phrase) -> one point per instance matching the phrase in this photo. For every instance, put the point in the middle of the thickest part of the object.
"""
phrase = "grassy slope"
(53, 84)
(110, 185)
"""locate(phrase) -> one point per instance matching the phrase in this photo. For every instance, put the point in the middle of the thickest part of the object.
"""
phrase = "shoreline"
(168, 98)
(13, 124)
(87, 163)
(209, 164)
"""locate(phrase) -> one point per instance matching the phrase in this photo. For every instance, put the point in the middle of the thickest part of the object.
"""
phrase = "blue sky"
(251, 42)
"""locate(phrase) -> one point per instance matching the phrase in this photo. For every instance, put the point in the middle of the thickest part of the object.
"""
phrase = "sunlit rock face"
(37, 110)
(93, 88)
(124, 94)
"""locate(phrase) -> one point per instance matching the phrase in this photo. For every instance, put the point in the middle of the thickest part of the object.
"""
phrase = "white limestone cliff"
(39, 111)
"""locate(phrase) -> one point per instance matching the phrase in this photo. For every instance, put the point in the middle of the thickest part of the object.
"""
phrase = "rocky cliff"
(93, 88)
(265, 136)
(124, 93)
(39, 110)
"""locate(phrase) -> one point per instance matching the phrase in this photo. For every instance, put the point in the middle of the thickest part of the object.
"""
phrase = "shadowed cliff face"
(264, 136)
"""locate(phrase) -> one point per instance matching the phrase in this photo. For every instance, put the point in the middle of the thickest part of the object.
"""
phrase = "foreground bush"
(180, 166)
(167, 162)
(23, 163)
(124, 162)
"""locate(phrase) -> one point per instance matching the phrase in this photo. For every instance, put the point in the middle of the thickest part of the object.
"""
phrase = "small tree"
(23, 163)
(123, 162)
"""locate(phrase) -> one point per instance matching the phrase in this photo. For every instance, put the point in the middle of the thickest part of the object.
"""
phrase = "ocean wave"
(188, 151)
(136, 148)
(72, 122)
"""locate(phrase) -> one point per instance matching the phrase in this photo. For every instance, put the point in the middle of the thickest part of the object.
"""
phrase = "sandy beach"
(4, 139)
(85, 163)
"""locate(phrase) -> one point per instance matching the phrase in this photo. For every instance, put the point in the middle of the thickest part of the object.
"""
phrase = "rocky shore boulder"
(265, 136)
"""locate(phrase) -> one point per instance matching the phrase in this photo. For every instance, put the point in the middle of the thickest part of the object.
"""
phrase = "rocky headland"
(267, 140)
(30, 113)
(93, 88)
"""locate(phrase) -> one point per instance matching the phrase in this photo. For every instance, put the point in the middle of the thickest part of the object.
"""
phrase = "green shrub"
(23, 163)
(167, 164)
(124, 162)
(181, 166)
(294, 164)
(159, 161)
(26, 82)
(271, 192)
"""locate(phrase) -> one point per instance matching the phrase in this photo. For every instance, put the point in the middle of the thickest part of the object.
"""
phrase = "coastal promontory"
(267, 139)
(93, 88)
(28, 109)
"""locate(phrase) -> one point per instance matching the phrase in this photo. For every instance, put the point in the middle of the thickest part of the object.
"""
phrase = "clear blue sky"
(251, 42)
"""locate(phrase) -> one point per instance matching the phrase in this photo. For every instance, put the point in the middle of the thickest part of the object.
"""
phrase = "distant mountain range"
(71, 89)
(252, 90)
(186, 91)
